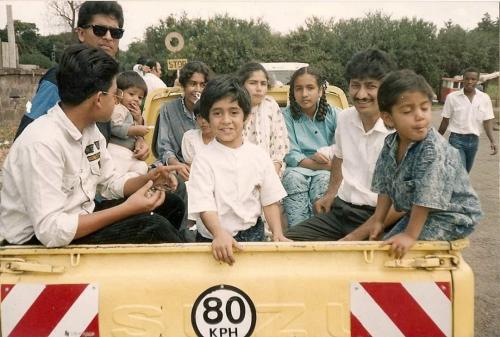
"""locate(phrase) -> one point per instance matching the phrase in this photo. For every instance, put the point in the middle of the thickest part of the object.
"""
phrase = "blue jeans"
(253, 234)
(467, 147)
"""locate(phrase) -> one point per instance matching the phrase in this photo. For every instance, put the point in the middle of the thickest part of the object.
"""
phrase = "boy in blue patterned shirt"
(418, 171)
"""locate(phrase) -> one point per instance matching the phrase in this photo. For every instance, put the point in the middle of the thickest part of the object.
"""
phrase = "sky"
(283, 16)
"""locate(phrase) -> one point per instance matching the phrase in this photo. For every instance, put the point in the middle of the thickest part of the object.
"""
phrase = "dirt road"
(483, 255)
(484, 252)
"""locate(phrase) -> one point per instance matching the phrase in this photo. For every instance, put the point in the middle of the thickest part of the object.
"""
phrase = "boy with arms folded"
(232, 180)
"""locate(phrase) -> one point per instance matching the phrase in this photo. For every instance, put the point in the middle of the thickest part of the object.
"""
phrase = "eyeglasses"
(118, 97)
(116, 33)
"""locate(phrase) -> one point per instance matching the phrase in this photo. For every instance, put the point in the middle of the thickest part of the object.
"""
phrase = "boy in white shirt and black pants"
(231, 181)
(49, 199)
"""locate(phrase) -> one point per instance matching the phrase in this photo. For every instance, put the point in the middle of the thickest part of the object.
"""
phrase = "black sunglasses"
(116, 33)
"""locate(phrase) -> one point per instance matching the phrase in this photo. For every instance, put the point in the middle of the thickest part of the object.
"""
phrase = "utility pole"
(12, 61)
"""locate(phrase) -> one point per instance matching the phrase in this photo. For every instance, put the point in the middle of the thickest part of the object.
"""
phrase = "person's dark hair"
(151, 63)
(194, 67)
(129, 79)
(90, 8)
(248, 69)
(197, 109)
(398, 82)
(142, 60)
(320, 81)
(83, 71)
(370, 63)
(221, 87)
(471, 70)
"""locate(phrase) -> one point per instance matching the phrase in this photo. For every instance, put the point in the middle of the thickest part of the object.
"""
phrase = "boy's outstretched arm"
(402, 242)
(324, 204)
(223, 242)
(137, 203)
(162, 176)
(374, 226)
(273, 217)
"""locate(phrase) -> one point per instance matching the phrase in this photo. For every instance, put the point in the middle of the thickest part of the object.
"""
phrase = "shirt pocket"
(405, 195)
(70, 183)
(460, 115)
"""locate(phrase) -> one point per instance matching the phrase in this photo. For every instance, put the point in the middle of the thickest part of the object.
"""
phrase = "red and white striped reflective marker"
(407, 309)
(49, 310)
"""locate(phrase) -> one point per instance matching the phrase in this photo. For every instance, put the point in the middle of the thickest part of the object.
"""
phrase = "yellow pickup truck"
(274, 289)
(290, 289)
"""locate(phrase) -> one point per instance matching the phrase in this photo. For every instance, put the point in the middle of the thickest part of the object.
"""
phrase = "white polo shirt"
(235, 183)
(467, 117)
(50, 177)
(359, 151)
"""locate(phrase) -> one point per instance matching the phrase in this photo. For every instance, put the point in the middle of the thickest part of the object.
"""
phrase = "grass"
(7, 133)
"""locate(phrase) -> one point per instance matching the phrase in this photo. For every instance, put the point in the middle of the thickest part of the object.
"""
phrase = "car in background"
(281, 72)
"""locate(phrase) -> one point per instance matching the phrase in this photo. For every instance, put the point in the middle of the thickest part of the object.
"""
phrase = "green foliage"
(39, 59)
(52, 46)
(225, 43)
(26, 36)
(32, 46)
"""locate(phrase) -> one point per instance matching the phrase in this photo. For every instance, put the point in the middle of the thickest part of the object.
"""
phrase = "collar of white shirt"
(65, 122)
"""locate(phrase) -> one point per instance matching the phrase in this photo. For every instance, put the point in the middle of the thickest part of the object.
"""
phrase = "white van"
(280, 72)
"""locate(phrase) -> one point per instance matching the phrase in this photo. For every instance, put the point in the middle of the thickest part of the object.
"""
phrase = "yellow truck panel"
(274, 289)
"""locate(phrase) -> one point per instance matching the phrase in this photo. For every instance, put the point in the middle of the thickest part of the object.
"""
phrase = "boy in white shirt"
(231, 180)
(49, 199)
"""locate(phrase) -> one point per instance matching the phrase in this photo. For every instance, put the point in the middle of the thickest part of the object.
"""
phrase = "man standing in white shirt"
(464, 111)
(359, 138)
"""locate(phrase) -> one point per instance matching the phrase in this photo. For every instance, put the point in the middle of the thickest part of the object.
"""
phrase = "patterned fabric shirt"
(265, 126)
(429, 175)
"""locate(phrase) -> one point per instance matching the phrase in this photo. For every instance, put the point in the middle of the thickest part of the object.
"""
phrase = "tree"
(224, 43)
(451, 49)
(66, 11)
(52, 46)
(26, 34)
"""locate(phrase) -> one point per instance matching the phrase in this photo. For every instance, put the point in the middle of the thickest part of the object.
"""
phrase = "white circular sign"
(174, 36)
(223, 310)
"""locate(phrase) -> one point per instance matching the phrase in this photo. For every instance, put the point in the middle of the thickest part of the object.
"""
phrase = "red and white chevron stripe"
(49, 310)
(406, 309)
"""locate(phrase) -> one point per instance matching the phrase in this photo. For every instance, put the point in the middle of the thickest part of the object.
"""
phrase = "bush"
(40, 60)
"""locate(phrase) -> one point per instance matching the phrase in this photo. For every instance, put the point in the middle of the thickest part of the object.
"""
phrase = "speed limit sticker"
(223, 311)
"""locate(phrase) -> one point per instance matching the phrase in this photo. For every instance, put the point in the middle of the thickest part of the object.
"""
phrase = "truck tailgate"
(277, 290)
